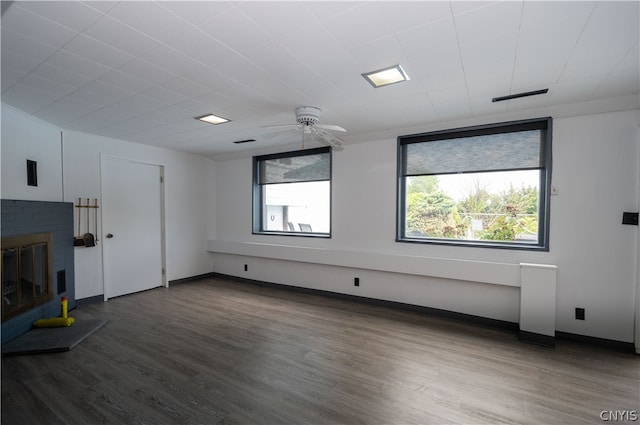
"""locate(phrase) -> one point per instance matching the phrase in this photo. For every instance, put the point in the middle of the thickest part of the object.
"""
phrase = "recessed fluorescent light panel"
(384, 77)
(212, 119)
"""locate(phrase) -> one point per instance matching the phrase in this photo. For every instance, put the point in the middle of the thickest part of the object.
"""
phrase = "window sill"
(296, 234)
(476, 244)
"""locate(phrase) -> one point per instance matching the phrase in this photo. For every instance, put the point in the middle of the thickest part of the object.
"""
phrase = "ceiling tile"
(547, 44)
(36, 50)
(454, 109)
(35, 26)
(490, 21)
(489, 88)
(55, 87)
(10, 76)
(482, 105)
(619, 83)
(150, 19)
(18, 62)
(458, 7)
(277, 61)
(71, 14)
(313, 46)
(573, 91)
(444, 79)
(108, 91)
(326, 9)
(196, 12)
(164, 94)
(357, 26)
(173, 113)
(102, 6)
(251, 96)
(186, 87)
(484, 71)
(66, 109)
(535, 78)
(141, 123)
(488, 52)
(151, 72)
(539, 14)
(87, 95)
(405, 15)
(379, 54)
(96, 51)
(61, 75)
(271, 19)
(125, 81)
(453, 93)
(114, 114)
(597, 67)
(224, 28)
(140, 104)
(433, 38)
(168, 60)
(77, 64)
(436, 62)
(26, 98)
(610, 31)
(121, 36)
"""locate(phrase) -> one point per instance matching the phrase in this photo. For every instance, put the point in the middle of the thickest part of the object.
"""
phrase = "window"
(292, 193)
(479, 186)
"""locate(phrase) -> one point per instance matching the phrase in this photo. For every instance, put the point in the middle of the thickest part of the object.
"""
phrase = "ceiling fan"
(307, 118)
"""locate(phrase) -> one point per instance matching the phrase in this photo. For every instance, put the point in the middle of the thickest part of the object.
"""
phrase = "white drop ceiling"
(141, 71)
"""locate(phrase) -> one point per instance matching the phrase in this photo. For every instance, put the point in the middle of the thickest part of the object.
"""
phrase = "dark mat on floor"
(52, 340)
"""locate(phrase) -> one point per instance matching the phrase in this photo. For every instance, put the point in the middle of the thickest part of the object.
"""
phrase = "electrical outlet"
(356, 281)
(246, 267)
(579, 313)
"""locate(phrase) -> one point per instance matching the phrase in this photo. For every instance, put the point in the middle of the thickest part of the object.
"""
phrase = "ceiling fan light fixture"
(212, 119)
(386, 76)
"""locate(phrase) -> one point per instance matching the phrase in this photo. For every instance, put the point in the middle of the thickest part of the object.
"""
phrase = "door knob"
(109, 235)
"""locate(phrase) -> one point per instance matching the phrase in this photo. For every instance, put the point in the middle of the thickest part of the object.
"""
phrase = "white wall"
(186, 206)
(25, 137)
(595, 169)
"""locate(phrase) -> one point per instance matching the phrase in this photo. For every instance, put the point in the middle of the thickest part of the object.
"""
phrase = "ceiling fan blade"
(273, 131)
(334, 141)
(330, 127)
(282, 126)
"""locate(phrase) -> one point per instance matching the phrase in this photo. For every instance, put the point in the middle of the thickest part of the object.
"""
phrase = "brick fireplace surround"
(32, 217)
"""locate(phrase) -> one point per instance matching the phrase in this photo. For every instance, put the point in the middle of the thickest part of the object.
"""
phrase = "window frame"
(545, 125)
(257, 193)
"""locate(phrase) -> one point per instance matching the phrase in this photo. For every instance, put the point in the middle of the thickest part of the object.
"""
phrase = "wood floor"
(223, 352)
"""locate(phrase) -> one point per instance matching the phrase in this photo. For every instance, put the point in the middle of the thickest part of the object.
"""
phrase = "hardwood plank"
(216, 351)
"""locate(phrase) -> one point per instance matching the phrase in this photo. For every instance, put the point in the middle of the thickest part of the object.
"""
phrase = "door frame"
(637, 249)
(163, 250)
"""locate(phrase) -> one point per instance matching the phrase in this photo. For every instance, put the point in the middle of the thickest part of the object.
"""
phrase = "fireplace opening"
(27, 278)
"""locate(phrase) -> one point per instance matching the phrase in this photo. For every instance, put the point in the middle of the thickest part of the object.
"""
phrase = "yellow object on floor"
(55, 322)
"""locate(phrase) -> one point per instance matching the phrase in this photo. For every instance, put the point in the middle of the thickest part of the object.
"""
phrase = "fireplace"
(37, 262)
(26, 273)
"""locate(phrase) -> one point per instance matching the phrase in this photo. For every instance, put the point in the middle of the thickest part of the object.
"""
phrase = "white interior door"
(131, 226)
